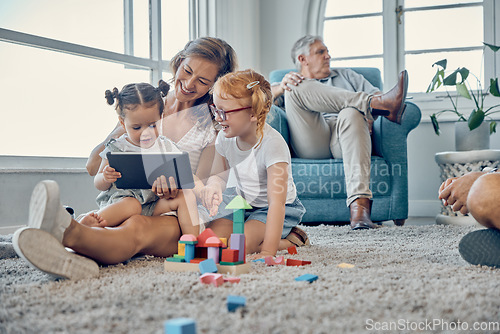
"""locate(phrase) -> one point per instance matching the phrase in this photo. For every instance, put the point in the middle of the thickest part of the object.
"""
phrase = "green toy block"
(175, 259)
(188, 242)
(238, 203)
(239, 221)
(231, 263)
(177, 256)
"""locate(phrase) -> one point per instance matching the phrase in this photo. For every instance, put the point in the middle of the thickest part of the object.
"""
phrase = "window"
(427, 31)
(355, 48)
(57, 58)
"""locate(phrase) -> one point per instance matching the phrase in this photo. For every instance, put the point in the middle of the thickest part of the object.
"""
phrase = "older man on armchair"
(330, 113)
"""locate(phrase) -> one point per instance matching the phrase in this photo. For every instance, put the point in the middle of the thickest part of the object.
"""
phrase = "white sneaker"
(44, 252)
(46, 211)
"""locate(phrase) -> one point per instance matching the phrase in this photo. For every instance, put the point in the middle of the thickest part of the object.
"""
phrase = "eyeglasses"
(222, 113)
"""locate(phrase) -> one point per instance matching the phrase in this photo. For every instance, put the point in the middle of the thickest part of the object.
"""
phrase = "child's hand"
(211, 198)
(261, 255)
(110, 174)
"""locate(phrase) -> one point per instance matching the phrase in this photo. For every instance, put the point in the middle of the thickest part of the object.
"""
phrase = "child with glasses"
(260, 160)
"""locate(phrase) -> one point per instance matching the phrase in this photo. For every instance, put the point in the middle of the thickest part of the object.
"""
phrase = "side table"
(454, 164)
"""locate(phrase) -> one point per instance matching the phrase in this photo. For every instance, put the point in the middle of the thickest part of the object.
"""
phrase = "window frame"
(155, 64)
(394, 51)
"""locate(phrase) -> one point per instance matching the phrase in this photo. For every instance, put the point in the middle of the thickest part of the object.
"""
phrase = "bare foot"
(93, 220)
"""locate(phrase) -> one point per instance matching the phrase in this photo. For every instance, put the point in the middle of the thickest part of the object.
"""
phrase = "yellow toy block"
(181, 249)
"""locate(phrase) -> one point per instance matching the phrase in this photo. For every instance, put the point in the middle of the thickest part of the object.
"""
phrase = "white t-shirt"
(250, 167)
(161, 144)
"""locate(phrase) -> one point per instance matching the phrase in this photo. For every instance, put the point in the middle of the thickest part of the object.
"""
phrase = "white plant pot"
(467, 140)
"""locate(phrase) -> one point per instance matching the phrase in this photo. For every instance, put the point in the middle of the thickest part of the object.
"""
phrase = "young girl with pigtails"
(260, 159)
(139, 107)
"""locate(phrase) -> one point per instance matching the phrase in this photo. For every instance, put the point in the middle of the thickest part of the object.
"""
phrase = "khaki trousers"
(344, 137)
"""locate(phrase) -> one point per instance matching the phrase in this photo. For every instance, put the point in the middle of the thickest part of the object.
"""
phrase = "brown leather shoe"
(360, 214)
(392, 104)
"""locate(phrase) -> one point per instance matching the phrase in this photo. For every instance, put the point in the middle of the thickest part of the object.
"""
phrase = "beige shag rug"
(404, 279)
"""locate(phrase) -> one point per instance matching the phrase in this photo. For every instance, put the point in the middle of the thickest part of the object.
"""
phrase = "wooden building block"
(293, 262)
(180, 326)
(229, 255)
(307, 277)
(292, 250)
(233, 302)
(208, 266)
(181, 249)
(212, 278)
(169, 265)
(238, 243)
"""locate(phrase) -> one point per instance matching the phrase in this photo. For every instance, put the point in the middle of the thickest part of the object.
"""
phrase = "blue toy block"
(238, 243)
(233, 302)
(259, 260)
(307, 277)
(207, 266)
(189, 252)
(180, 326)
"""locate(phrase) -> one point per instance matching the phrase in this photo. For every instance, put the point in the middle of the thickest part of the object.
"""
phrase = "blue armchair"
(321, 183)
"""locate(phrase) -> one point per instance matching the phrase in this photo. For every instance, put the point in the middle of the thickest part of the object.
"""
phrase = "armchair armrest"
(389, 139)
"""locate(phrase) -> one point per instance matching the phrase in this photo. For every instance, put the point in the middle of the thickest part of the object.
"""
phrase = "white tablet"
(140, 170)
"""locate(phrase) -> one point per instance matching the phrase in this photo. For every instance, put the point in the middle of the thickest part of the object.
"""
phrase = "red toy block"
(214, 279)
(229, 255)
(292, 262)
(203, 237)
(232, 279)
(272, 262)
(197, 260)
(292, 250)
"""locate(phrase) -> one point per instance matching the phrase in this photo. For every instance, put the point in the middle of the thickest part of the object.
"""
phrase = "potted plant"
(471, 132)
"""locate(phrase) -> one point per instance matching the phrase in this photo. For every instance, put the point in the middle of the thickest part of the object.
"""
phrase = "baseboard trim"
(4, 230)
(424, 208)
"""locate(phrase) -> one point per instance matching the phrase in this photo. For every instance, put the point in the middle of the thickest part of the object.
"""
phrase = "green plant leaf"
(442, 63)
(494, 48)
(462, 90)
(436, 81)
(451, 80)
(435, 124)
(494, 87)
(475, 119)
(464, 73)
(493, 127)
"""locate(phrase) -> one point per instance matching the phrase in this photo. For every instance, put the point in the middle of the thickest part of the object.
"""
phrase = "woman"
(196, 69)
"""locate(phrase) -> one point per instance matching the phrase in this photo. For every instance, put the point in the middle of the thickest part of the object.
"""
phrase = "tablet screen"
(140, 170)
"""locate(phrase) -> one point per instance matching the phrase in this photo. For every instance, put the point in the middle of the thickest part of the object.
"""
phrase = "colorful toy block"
(231, 263)
(232, 279)
(238, 243)
(233, 302)
(213, 245)
(292, 250)
(204, 236)
(280, 260)
(197, 260)
(224, 241)
(238, 204)
(212, 278)
(208, 266)
(189, 252)
(345, 265)
(170, 265)
(181, 248)
(259, 260)
(180, 326)
(229, 255)
(175, 259)
(307, 277)
(293, 262)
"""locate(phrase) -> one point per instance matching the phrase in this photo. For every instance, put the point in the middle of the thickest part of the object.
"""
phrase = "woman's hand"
(164, 189)
(211, 198)
(110, 174)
